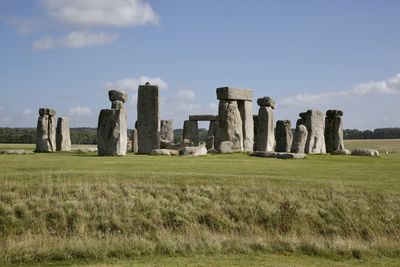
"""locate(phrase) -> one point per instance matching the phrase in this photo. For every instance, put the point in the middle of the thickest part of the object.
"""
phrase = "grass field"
(76, 209)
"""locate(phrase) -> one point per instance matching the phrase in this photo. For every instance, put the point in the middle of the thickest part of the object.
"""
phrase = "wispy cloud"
(91, 13)
(132, 84)
(80, 111)
(76, 39)
(389, 86)
(23, 25)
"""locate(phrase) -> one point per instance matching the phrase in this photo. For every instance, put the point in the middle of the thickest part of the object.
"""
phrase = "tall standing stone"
(265, 138)
(63, 139)
(112, 133)
(134, 140)
(246, 112)
(300, 138)
(46, 131)
(167, 130)
(191, 131)
(148, 118)
(334, 131)
(315, 123)
(230, 124)
(211, 135)
(283, 136)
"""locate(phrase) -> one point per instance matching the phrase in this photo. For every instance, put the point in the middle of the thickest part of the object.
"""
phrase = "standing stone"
(148, 118)
(230, 124)
(246, 112)
(63, 139)
(265, 138)
(300, 139)
(283, 136)
(334, 131)
(191, 131)
(167, 130)
(211, 135)
(314, 121)
(112, 133)
(114, 95)
(134, 140)
(46, 131)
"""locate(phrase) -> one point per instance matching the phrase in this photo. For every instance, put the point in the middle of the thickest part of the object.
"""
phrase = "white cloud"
(27, 112)
(24, 26)
(80, 111)
(132, 84)
(116, 13)
(76, 39)
(389, 86)
(183, 95)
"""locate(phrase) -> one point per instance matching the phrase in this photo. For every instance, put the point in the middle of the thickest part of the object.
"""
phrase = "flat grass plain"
(77, 209)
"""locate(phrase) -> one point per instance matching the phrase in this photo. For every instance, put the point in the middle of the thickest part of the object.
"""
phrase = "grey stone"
(315, 123)
(225, 147)
(63, 139)
(179, 146)
(265, 138)
(194, 151)
(191, 131)
(134, 140)
(278, 155)
(283, 136)
(167, 130)
(213, 131)
(246, 112)
(230, 124)
(117, 104)
(210, 143)
(229, 93)
(148, 118)
(266, 101)
(365, 152)
(334, 131)
(160, 152)
(203, 117)
(341, 152)
(117, 95)
(85, 149)
(15, 152)
(47, 111)
(112, 133)
(299, 139)
(46, 134)
(164, 143)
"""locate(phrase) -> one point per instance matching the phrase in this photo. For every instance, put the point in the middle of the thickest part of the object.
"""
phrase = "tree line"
(88, 135)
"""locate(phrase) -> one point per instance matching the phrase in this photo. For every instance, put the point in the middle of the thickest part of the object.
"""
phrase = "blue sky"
(66, 54)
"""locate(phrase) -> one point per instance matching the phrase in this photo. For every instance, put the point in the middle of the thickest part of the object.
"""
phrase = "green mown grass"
(213, 210)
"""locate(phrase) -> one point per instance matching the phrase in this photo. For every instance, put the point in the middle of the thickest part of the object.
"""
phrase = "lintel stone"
(229, 93)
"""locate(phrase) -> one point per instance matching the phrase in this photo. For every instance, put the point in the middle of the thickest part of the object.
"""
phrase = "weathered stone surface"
(85, 149)
(229, 93)
(300, 139)
(112, 133)
(191, 131)
(134, 139)
(47, 111)
(203, 117)
(160, 152)
(184, 143)
(210, 143)
(46, 134)
(283, 136)
(278, 155)
(266, 101)
(213, 129)
(15, 152)
(315, 123)
(334, 131)
(117, 104)
(167, 130)
(63, 139)
(148, 118)
(265, 138)
(341, 152)
(365, 152)
(117, 95)
(194, 151)
(230, 124)
(246, 112)
(225, 147)
(211, 135)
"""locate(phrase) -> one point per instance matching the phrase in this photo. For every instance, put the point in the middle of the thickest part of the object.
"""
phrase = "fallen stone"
(283, 136)
(112, 133)
(225, 147)
(365, 152)
(229, 93)
(117, 95)
(203, 117)
(15, 152)
(341, 152)
(63, 139)
(278, 155)
(160, 152)
(194, 151)
(266, 101)
(230, 124)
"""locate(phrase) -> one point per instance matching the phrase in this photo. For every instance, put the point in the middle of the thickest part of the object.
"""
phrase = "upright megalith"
(334, 131)
(235, 114)
(112, 133)
(46, 131)
(134, 140)
(63, 139)
(283, 136)
(265, 138)
(315, 124)
(167, 131)
(211, 143)
(148, 118)
(300, 138)
(191, 131)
